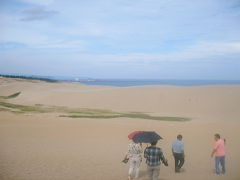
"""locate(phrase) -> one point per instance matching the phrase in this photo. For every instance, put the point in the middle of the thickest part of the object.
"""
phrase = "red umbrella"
(130, 136)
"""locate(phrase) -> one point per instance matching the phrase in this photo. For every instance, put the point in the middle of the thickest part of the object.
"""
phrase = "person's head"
(179, 137)
(216, 137)
(153, 143)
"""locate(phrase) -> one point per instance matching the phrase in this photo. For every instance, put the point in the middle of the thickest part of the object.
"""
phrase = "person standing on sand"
(178, 153)
(135, 159)
(154, 155)
(219, 151)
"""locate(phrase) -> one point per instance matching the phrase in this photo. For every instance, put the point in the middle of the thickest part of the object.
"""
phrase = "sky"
(135, 39)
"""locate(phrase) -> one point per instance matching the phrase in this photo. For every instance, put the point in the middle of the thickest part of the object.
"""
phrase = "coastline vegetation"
(10, 96)
(77, 112)
(28, 78)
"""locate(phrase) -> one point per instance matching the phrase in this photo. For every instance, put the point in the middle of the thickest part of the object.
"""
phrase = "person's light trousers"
(134, 166)
(153, 172)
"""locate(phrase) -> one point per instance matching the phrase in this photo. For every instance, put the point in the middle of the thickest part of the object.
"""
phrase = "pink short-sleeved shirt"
(219, 147)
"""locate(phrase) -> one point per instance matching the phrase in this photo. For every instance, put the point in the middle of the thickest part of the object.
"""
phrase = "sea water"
(144, 82)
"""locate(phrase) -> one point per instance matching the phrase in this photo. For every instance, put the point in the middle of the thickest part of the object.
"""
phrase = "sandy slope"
(46, 147)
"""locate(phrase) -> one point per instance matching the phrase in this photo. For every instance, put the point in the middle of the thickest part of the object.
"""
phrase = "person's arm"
(183, 153)
(172, 150)
(126, 158)
(183, 150)
(140, 149)
(213, 152)
(163, 159)
(146, 153)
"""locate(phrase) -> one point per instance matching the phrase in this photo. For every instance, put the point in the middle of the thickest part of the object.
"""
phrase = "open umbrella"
(131, 135)
(146, 137)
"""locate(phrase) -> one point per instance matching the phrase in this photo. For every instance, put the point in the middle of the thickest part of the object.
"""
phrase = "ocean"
(127, 82)
(148, 82)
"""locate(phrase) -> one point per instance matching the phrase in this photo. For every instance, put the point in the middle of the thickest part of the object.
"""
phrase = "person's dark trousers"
(179, 161)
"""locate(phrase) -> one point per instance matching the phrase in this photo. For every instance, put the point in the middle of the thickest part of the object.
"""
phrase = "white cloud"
(206, 51)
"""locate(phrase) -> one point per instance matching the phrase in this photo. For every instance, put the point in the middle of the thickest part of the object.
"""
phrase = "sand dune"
(44, 146)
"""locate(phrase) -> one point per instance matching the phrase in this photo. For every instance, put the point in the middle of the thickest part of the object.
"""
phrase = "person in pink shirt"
(219, 151)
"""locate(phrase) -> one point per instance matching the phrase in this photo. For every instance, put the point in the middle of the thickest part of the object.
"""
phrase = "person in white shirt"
(135, 159)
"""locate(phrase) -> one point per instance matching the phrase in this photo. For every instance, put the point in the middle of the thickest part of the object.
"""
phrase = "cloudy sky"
(156, 39)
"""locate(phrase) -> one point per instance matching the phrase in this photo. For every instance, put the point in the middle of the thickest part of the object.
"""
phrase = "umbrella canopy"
(146, 137)
(130, 136)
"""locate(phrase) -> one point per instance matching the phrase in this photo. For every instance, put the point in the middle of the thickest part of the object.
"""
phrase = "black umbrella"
(146, 137)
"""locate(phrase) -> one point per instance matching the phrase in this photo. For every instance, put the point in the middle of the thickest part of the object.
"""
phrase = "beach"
(50, 146)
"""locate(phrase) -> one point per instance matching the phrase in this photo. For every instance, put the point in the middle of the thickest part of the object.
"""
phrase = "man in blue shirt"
(178, 153)
(154, 155)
